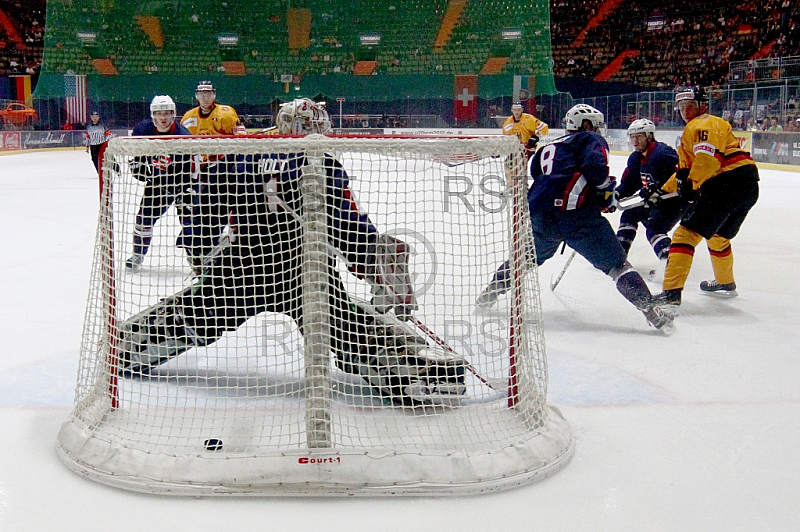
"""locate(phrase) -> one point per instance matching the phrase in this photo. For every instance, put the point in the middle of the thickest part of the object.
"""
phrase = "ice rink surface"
(697, 431)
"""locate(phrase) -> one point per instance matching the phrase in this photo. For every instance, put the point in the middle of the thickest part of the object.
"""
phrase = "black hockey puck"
(213, 444)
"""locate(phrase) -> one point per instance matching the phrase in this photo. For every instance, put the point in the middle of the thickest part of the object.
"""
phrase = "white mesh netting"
(298, 316)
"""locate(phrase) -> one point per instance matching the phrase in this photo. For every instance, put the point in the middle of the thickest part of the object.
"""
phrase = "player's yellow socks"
(681, 255)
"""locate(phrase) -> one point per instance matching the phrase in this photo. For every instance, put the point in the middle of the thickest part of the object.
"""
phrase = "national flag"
(465, 100)
(75, 94)
(524, 90)
(22, 92)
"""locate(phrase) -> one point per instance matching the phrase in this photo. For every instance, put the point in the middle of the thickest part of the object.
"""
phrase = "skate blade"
(721, 294)
(672, 310)
(667, 329)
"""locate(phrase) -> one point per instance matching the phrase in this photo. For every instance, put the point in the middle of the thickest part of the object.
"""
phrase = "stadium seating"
(21, 36)
(647, 42)
(181, 37)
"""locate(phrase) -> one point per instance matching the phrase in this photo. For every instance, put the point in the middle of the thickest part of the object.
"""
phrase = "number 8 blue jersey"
(570, 173)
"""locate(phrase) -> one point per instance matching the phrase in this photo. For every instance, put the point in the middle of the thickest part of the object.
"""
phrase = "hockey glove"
(652, 198)
(608, 198)
(389, 278)
(141, 169)
(532, 142)
(685, 188)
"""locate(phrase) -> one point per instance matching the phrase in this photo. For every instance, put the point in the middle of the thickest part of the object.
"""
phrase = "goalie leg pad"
(153, 337)
(390, 279)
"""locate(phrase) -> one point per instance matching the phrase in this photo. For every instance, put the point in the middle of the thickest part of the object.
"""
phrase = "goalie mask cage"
(281, 416)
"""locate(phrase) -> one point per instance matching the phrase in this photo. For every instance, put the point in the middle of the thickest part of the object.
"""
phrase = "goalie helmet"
(302, 117)
(573, 121)
(642, 125)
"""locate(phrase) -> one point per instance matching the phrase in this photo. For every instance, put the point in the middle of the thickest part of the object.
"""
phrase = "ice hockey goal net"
(255, 407)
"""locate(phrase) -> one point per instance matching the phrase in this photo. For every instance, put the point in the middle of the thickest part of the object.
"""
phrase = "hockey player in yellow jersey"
(525, 126)
(204, 236)
(211, 118)
(720, 182)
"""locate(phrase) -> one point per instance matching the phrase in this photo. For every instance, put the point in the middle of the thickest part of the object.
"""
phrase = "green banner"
(264, 89)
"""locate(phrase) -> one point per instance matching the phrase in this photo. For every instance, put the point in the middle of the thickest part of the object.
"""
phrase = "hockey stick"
(631, 202)
(557, 280)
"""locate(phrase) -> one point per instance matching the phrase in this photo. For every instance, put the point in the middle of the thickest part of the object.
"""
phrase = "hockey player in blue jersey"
(262, 270)
(571, 189)
(167, 179)
(650, 165)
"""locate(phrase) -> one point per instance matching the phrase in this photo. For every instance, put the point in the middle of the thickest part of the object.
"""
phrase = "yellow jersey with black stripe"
(709, 148)
(524, 128)
(222, 120)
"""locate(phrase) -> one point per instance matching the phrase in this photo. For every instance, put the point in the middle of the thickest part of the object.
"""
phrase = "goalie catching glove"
(389, 278)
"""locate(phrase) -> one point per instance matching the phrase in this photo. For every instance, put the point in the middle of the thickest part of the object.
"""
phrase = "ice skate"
(411, 375)
(713, 288)
(664, 322)
(134, 263)
(438, 379)
(491, 294)
(669, 301)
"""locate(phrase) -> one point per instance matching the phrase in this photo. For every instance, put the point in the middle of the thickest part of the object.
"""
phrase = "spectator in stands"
(791, 125)
(774, 127)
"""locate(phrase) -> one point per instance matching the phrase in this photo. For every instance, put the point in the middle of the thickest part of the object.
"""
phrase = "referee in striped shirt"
(96, 135)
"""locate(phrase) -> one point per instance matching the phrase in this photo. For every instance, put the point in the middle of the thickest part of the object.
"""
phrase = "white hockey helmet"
(162, 103)
(302, 117)
(642, 125)
(159, 105)
(580, 112)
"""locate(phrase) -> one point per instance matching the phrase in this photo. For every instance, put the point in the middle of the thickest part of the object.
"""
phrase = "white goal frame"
(297, 425)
